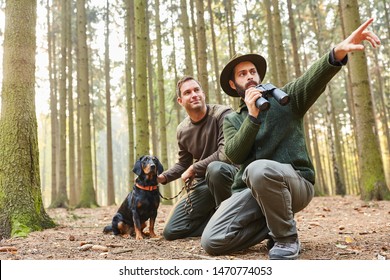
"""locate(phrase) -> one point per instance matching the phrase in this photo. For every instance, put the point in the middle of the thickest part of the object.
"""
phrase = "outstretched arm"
(353, 42)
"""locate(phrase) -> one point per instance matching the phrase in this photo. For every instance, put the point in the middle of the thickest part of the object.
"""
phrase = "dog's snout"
(153, 167)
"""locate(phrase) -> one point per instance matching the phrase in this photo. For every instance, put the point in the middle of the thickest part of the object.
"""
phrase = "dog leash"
(188, 206)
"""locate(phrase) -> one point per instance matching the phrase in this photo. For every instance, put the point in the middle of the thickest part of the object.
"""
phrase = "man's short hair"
(182, 81)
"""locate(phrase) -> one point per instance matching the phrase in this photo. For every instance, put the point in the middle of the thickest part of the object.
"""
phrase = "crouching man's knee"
(259, 174)
(211, 244)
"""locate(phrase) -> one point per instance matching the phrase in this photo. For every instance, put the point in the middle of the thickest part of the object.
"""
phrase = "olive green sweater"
(278, 134)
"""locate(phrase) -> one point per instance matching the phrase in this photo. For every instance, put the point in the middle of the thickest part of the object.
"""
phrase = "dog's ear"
(137, 167)
(160, 167)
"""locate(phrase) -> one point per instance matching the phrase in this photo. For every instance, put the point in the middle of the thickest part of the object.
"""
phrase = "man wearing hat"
(276, 176)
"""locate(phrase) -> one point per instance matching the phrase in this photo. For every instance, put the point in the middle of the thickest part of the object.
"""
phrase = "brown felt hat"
(226, 74)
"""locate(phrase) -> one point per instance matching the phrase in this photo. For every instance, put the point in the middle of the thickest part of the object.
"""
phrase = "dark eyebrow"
(241, 71)
(190, 89)
(186, 91)
(248, 70)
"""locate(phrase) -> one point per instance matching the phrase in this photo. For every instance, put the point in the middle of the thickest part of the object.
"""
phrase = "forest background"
(106, 73)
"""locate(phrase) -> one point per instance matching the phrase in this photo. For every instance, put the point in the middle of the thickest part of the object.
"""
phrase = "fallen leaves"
(344, 244)
(349, 239)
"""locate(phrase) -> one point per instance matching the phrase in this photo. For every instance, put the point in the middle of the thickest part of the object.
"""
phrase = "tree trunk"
(332, 132)
(336, 181)
(231, 30)
(78, 141)
(194, 35)
(320, 186)
(218, 91)
(130, 47)
(161, 91)
(272, 76)
(53, 104)
(141, 98)
(202, 48)
(294, 41)
(110, 164)
(21, 207)
(382, 113)
(372, 178)
(189, 69)
(88, 196)
(153, 116)
(62, 196)
(72, 144)
(176, 106)
(278, 45)
(92, 103)
(247, 26)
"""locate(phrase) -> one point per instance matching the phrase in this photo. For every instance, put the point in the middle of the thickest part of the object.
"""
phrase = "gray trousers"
(275, 192)
(205, 198)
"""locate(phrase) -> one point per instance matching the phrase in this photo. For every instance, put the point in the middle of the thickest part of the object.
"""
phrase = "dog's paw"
(139, 237)
(155, 236)
(152, 234)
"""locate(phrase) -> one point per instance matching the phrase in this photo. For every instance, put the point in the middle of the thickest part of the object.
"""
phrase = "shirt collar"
(205, 116)
(242, 106)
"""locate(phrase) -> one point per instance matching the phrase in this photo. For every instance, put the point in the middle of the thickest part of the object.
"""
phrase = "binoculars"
(270, 90)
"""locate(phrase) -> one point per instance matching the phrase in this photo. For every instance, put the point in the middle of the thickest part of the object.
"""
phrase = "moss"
(23, 224)
(2, 198)
(19, 229)
(75, 217)
(87, 204)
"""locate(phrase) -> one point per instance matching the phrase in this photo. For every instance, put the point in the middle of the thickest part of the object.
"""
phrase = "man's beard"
(241, 90)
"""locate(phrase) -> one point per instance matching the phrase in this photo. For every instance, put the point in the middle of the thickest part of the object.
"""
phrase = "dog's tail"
(107, 229)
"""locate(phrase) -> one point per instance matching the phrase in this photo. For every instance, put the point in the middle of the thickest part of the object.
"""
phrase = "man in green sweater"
(276, 176)
(201, 160)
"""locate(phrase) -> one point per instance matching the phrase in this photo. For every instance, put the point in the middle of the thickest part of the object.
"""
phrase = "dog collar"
(146, 188)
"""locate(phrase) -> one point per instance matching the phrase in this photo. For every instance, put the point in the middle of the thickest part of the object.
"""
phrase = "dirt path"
(332, 228)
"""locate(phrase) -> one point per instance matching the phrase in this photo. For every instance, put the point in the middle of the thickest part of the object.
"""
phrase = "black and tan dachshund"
(141, 203)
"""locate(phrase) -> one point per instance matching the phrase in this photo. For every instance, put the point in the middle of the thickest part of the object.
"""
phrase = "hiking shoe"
(270, 243)
(285, 250)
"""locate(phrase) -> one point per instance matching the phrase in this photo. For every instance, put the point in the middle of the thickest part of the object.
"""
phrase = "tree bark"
(202, 47)
(130, 53)
(161, 93)
(141, 98)
(110, 161)
(372, 179)
(53, 102)
(71, 103)
(61, 199)
(189, 69)
(21, 207)
(278, 45)
(88, 195)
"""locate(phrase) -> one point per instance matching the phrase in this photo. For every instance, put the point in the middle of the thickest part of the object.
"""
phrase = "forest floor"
(330, 228)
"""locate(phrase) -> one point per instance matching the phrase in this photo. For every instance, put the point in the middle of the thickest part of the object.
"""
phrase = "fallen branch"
(122, 251)
(8, 249)
(200, 256)
(114, 245)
